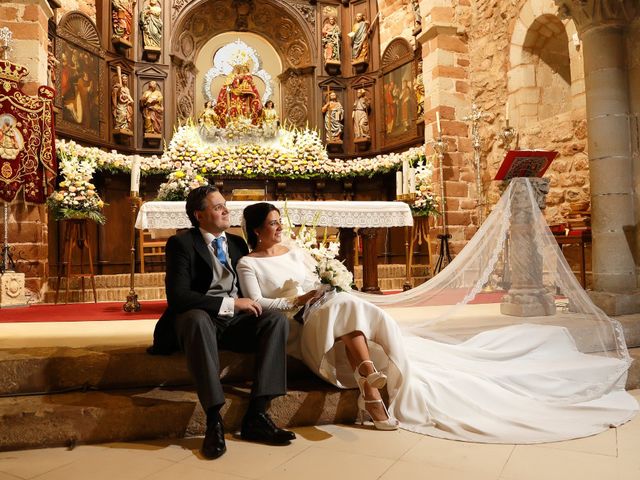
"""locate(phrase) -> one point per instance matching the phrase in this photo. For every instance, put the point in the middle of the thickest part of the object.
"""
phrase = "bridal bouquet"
(333, 273)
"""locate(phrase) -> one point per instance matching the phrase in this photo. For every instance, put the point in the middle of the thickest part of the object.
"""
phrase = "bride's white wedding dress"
(462, 369)
(505, 386)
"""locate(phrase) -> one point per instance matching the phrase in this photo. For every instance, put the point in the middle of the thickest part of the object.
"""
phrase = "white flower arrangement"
(77, 197)
(180, 183)
(426, 202)
(296, 153)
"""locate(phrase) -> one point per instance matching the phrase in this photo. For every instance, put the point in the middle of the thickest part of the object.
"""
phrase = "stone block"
(452, 44)
(616, 303)
(605, 94)
(12, 290)
(462, 87)
(449, 72)
(610, 175)
(456, 189)
(8, 14)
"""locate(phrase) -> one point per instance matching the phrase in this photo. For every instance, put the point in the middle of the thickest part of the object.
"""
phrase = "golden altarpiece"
(107, 70)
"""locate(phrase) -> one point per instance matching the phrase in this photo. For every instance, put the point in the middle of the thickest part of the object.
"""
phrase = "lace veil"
(512, 272)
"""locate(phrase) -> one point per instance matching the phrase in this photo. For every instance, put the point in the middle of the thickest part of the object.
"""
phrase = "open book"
(525, 163)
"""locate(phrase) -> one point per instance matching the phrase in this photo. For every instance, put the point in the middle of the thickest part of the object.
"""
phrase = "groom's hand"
(247, 305)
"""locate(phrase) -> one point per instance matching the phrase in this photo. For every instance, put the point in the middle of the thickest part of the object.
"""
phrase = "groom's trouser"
(200, 337)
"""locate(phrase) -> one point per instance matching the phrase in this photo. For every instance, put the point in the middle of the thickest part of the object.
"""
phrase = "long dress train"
(516, 384)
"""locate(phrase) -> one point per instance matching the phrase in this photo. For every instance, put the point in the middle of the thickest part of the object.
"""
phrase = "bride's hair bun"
(254, 217)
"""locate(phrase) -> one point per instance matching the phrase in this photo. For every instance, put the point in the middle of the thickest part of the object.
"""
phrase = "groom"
(205, 314)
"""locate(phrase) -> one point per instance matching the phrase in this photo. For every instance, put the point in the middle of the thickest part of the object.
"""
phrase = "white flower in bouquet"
(333, 273)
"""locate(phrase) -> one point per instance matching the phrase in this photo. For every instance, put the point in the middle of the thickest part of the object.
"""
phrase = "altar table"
(366, 216)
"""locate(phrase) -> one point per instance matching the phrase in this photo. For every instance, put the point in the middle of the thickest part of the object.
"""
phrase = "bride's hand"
(310, 295)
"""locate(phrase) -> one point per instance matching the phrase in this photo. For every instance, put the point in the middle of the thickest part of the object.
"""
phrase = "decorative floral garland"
(189, 160)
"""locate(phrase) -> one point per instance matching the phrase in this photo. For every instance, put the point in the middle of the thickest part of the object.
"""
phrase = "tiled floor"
(341, 452)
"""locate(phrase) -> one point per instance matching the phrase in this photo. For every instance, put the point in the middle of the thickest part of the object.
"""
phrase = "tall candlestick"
(405, 177)
(438, 123)
(135, 175)
(412, 180)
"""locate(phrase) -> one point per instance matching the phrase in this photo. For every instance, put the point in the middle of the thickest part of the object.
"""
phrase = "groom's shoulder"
(238, 241)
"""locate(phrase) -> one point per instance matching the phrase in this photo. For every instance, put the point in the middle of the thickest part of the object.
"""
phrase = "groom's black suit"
(192, 322)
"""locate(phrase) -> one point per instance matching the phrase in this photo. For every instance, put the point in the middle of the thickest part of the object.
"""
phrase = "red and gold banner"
(27, 138)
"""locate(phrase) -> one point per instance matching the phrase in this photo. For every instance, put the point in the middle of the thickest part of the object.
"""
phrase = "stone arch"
(287, 28)
(545, 76)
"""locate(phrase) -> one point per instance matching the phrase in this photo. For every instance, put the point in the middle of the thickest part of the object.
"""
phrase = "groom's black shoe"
(213, 445)
(260, 428)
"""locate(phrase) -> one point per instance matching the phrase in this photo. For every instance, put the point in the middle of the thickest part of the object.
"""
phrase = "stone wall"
(524, 54)
(88, 7)
(28, 20)
(397, 20)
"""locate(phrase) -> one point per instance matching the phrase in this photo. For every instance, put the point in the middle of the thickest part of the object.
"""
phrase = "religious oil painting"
(79, 85)
(399, 113)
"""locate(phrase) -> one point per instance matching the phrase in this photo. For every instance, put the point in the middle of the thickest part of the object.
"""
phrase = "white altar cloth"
(161, 215)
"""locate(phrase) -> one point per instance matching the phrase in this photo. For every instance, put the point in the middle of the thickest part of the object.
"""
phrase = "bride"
(522, 383)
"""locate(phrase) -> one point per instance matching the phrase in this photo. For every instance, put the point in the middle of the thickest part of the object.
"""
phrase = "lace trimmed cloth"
(158, 215)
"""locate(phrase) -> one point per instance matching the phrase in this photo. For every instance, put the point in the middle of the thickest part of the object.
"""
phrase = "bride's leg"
(357, 352)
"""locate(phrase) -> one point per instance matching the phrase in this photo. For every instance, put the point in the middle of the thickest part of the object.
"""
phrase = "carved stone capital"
(588, 14)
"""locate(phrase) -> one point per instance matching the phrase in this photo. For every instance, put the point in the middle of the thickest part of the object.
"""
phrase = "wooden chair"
(151, 244)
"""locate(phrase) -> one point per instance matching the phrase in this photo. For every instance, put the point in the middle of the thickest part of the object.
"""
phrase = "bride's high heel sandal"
(388, 424)
(376, 379)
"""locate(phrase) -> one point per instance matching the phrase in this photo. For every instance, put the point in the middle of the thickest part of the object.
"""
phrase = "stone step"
(395, 270)
(43, 370)
(387, 284)
(112, 294)
(113, 281)
(39, 421)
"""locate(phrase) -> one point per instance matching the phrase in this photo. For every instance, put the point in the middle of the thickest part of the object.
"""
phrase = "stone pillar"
(527, 296)
(602, 27)
(28, 21)
(445, 60)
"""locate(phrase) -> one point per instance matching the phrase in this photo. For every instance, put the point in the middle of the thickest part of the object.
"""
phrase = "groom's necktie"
(218, 244)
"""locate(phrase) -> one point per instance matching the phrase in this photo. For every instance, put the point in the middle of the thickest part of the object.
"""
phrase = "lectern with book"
(525, 163)
(526, 295)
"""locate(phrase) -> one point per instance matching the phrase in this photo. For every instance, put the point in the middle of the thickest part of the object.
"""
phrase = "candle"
(135, 175)
(405, 177)
(506, 108)
(412, 180)
(398, 184)
(438, 123)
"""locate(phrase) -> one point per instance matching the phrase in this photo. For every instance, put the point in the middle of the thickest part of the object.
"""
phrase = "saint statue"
(360, 40)
(360, 116)
(331, 41)
(333, 117)
(122, 106)
(208, 118)
(11, 141)
(419, 91)
(270, 121)
(417, 18)
(122, 19)
(239, 98)
(152, 108)
(151, 24)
